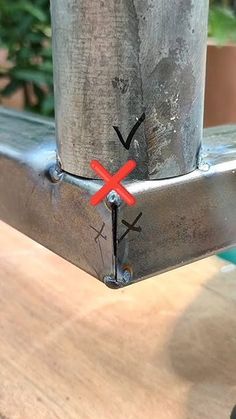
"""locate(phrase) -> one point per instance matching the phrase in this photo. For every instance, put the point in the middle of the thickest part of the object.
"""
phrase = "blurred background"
(26, 79)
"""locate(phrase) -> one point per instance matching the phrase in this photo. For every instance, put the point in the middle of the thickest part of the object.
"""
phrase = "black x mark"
(97, 239)
(127, 143)
(131, 227)
(99, 233)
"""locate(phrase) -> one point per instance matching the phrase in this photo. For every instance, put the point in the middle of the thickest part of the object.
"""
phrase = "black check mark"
(127, 143)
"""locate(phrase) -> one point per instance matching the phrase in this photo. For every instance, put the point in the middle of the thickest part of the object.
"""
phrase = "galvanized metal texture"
(129, 83)
(56, 214)
(174, 222)
(180, 220)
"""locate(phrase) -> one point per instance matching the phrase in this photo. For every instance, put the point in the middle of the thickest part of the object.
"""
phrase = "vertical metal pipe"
(115, 61)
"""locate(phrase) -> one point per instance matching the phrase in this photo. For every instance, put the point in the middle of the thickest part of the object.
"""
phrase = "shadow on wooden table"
(202, 349)
(72, 349)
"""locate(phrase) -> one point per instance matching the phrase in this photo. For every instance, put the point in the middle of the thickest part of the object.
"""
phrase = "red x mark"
(113, 182)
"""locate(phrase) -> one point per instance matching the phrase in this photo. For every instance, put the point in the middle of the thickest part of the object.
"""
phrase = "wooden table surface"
(71, 348)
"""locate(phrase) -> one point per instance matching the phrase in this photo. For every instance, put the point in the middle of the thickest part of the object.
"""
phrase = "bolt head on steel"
(114, 199)
(126, 277)
(55, 173)
(110, 282)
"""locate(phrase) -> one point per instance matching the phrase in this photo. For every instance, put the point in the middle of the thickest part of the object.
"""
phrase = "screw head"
(204, 166)
(110, 282)
(113, 199)
(126, 277)
(56, 174)
(115, 283)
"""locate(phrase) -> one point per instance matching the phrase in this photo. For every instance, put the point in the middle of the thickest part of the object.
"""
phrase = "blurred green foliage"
(222, 21)
(25, 31)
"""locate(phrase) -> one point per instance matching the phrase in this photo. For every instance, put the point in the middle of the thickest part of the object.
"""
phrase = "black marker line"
(97, 240)
(131, 227)
(127, 143)
(99, 233)
(100, 248)
(114, 235)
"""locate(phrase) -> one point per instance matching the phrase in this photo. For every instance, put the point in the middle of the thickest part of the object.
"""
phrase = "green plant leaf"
(25, 30)
(47, 106)
(38, 77)
(222, 24)
(34, 11)
(11, 88)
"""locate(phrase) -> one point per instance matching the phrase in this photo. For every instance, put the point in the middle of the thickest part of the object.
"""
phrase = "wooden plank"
(71, 348)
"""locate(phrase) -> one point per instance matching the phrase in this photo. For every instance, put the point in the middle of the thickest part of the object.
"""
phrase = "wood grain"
(71, 348)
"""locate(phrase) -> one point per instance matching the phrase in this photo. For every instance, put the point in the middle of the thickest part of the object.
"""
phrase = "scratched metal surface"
(115, 60)
(220, 141)
(57, 215)
(175, 221)
(184, 219)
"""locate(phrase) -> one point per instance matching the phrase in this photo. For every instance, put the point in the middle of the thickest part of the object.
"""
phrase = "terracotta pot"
(220, 104)
(17, 99)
